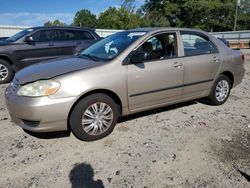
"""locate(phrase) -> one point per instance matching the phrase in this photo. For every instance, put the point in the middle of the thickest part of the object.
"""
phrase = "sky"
(37, 12)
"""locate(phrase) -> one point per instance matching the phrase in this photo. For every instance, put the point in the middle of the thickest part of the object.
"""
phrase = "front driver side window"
(45, 36)
(161, 46)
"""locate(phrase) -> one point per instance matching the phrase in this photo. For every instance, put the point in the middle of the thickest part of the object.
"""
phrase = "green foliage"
(119, 18)
(84, 18)
(129, 5)
(212, 15)
(244, 16)
(54, 23)
(154, 11)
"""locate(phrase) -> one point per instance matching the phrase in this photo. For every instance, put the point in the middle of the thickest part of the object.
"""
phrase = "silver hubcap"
(97, 118)
(3, 72)
(222, 90)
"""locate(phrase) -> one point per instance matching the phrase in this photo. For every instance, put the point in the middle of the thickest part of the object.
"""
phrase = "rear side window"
(84, 35)
(66, 35)
(45, 36)
(195, 44)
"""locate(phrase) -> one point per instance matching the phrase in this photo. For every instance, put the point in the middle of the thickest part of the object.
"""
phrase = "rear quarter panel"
(231, 61)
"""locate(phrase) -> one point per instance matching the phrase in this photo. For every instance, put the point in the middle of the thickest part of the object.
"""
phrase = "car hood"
(53, 68)
(4, 43)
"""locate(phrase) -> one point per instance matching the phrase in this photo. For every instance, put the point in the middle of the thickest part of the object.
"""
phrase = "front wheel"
(220, 90)
(6, 72)
(94, 117)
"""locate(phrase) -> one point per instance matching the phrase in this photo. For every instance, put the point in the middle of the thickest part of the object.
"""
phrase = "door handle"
(177, 65)
(216, 59)
(78, 43)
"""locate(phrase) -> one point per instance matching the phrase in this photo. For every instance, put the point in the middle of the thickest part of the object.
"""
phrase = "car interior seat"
(202, 47)
(170, 49)
(147, 47)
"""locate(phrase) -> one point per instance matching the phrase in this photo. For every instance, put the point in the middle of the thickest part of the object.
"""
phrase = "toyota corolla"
(125, 73)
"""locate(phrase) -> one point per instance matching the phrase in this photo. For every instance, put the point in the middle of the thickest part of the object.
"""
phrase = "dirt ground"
(186, 145)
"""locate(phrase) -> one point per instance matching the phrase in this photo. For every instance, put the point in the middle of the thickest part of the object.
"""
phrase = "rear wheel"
(220, 90)
(6, 72)
(94, 117)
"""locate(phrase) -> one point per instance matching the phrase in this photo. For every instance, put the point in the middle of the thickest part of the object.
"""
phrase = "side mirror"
(29, 39)
(138, 57)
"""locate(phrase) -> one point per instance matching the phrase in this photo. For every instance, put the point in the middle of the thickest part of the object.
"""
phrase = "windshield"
(110, 47)
(19, 35)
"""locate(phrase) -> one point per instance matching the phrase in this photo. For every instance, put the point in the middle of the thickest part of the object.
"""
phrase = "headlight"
(39, 88)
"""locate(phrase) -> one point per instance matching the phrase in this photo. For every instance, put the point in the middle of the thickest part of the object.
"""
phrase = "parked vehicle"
(125, 73)
(41, 43)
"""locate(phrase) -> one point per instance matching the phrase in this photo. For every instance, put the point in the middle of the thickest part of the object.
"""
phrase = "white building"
(7, 30)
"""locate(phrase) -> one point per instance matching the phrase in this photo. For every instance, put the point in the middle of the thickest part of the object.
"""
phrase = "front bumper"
(38, 114)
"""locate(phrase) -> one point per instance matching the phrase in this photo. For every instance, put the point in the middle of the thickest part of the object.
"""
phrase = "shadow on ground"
(82, 176)
(158, 110)
(52, 135)
(49, 135)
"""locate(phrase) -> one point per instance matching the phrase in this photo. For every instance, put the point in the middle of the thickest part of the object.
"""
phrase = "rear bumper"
(39, 114)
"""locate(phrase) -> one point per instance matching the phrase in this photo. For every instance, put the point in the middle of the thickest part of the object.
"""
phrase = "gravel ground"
(186, 145)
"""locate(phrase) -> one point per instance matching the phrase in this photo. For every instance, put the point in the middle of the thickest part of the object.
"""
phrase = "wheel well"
(111, 94)
(230, 76)
(6, 58)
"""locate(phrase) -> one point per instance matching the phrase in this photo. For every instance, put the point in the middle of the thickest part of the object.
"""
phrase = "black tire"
(212, 96)
(75, 119)
(10, 73)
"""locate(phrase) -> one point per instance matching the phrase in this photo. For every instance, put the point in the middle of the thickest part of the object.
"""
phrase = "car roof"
(159, 29)
(61, 27)
(148, 29)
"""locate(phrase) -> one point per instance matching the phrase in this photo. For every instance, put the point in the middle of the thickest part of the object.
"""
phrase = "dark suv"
(41, 43)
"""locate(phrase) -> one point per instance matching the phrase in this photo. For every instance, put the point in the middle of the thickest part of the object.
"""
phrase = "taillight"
(243, 57)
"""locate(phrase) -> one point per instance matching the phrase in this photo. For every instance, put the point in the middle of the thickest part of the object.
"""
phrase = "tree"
(244, 15)
(84, 18)
(119, 18)
(129, 5)
(54, 23)
(213, 15)
(159, 13)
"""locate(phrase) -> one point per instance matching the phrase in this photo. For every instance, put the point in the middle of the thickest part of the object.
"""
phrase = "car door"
(201, 62)
(159, 79)
(67, 42)
(73, 41)
(41, 48)
(85, 39)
